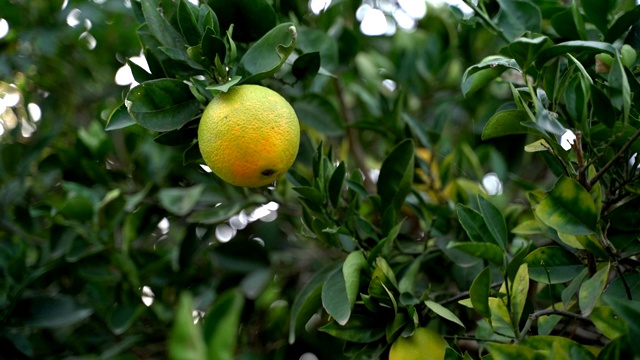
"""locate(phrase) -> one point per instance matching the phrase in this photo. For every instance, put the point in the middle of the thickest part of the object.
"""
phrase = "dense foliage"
(476, 175)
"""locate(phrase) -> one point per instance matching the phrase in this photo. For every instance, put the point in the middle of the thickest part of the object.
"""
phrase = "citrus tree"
(465, 182)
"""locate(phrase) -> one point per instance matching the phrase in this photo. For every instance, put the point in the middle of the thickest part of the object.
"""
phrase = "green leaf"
(500, 319)
(564, 24)
(222, 324)
(619, 89)
(516, 17)
(547, 323)
(180, 201)
(192, 155)
(577, 94)
(160, 27)
(308, 300)
(119, 119)
(162, 105)
(182, 136)
(622, 24)
(122, 317)
(527, 228)
(213, 46)
(396, 175)
(386, 274)
(407, 283)
(226, 86)
(592, 289)
(351, 269)
(495, 221)
(359, 329)
(185, 339)
(578, 20)
(512, 351)
(78, 207)
(317, 112)
(574, 286)
(311, 193)
(478, 76)
(181, 56)
(575, 46)
(306, 65)
(629, 311)
(335, 299)
(267, 55)
(619, 348)
(52, 312)
(491, 252)
(395, 328)
(188, 24)
(525, 50)
(217, 214)
(597, 12)
(559, 345)
(139, 73)
(558, 209)
(519, 292)
(601, 107)
(540, 145)
(207, 18)
(443, 312)
(479, 293)
(473, 223)
(327, 46)
(506, 122)
(553, 265)
(608, 322)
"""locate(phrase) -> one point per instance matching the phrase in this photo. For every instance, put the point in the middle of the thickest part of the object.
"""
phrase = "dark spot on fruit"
(268, 172)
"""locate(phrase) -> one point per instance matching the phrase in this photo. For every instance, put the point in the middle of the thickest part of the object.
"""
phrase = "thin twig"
(608, 165)
(606, 244)
(465, 294)
(537, 314)
(12, 228)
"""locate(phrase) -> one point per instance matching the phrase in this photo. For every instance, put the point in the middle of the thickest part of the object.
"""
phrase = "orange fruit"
(424, 344)
(249, 136)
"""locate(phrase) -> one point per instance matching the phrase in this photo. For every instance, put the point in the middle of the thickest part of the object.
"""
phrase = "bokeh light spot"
(73, 18)
(224, 233)
(34, 111)
(567, 139)
(147, 296)
(374, 23)
(491, 184)
(4, 28)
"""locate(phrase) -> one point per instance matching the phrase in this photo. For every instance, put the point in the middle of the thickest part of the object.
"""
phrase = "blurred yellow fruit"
(424, 344)
(249, 136)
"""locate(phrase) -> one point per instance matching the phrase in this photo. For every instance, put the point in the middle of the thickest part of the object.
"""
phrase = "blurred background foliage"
(102, 231)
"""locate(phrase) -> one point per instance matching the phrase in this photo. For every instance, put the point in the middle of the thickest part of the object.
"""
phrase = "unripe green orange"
(424, 344)
(628, 55)
(249, 136)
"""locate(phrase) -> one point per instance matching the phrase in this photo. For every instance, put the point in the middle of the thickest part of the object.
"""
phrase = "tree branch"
(608, 165)
(465, 294)
(537, 314)
(12, 228)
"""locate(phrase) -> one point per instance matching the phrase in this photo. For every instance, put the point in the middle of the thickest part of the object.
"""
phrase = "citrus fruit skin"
(424, 344)
(249, 136)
